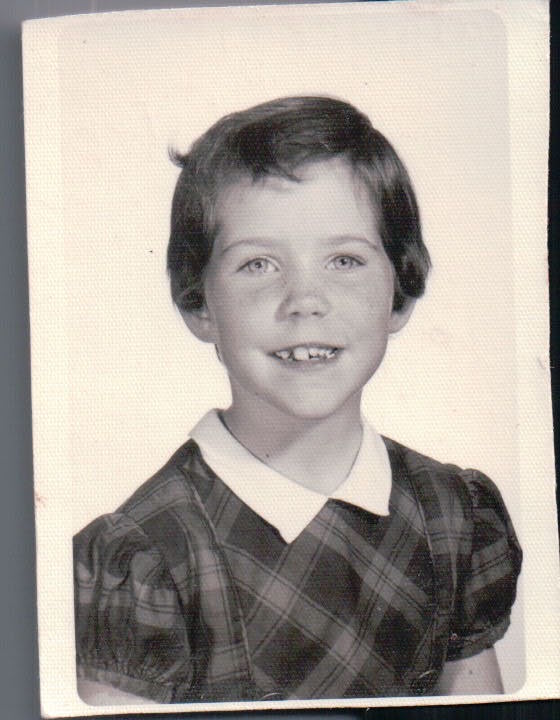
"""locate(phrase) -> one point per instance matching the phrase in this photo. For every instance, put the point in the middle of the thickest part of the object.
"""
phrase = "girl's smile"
(299, 293)
(308, 353)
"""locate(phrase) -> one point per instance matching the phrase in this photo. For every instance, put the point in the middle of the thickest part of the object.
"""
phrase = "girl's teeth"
(302, 354)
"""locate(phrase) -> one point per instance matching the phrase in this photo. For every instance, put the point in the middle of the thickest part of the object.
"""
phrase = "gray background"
(19, 694)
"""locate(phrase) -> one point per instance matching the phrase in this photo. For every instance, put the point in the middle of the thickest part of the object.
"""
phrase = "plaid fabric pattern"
(186, 594)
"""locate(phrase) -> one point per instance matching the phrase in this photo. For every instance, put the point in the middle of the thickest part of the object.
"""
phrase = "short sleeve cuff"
(144, 688)
(460, 648)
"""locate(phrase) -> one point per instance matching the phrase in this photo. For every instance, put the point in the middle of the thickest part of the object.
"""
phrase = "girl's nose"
(304, 298)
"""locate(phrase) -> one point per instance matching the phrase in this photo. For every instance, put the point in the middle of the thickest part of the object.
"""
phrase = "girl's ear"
(200, 323)
(399, 318)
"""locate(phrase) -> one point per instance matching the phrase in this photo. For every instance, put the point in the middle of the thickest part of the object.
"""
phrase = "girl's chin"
(317, 408)
(296, 402)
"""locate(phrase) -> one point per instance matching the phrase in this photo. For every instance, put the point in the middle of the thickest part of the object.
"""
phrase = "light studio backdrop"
(118, 382)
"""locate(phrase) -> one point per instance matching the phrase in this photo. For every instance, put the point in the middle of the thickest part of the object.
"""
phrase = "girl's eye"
(344, 262)
(260, 266)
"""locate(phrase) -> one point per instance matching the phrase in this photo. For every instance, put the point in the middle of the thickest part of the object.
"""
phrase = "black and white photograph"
(291, 401)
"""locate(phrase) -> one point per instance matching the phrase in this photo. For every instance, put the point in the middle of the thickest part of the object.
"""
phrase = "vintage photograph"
(276, 377)
(286, 550)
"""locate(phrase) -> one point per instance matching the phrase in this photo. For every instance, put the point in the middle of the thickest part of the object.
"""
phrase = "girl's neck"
(317, 454)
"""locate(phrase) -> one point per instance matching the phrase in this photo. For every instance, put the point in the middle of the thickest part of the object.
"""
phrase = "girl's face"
(299, 293)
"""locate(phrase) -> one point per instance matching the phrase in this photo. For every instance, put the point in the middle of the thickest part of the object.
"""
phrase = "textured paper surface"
(460, 89)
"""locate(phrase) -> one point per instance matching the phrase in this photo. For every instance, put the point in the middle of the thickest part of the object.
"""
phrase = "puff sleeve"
(130, 628)
(488, 571)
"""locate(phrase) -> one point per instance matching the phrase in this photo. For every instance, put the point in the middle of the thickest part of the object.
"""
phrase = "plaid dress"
(186, 594)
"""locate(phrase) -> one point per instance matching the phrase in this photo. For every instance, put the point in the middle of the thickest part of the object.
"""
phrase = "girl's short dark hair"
(276, 138)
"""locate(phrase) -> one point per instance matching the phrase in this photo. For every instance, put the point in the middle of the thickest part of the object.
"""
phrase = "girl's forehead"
(285, 179)
(323, 194)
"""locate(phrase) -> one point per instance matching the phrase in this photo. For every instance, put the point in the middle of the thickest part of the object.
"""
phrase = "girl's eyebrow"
(332, 241)
(250, 242)
(362, 239)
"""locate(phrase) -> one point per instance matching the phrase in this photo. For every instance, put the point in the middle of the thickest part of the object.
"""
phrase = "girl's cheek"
(262, 294)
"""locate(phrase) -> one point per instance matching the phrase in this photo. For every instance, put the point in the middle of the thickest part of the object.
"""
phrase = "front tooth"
(300, 353)
(314, 352)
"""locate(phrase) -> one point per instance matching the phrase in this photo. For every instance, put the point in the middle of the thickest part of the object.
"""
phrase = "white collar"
(282, 502)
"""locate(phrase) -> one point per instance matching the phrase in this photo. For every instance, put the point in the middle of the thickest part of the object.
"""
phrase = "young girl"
(287, 550)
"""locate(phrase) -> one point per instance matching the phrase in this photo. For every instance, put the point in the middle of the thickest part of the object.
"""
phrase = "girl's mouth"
(307, 353)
